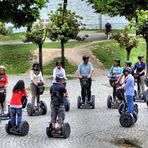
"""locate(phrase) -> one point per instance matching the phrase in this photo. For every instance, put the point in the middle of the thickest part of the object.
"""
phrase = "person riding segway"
(37, 89)
(18, 101)
(114, 74)
(139, 76)
(85, 71)
(128, 118)
(3, 86)
(57, 127)
(60, 72)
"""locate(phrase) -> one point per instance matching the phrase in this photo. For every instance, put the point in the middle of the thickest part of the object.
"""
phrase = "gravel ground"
(97, 128)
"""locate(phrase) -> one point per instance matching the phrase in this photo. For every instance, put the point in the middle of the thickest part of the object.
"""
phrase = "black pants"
(86, 91)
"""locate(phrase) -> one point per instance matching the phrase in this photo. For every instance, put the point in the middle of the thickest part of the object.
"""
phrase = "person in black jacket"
(58, 93)
(108, 30)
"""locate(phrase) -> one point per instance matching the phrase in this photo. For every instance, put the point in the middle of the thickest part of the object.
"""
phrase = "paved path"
(92, 36)
(97, 128)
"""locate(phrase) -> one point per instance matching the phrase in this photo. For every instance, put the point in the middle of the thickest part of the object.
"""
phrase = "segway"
(139, 96)
(23, 129)
(114, 102)
(63, 132)
(67, 104)
(86, 104)
(2, 100)
(127, 120)
(41, 108)
(123, 107)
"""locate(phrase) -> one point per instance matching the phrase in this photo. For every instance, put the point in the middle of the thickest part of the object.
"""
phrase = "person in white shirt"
(36, 79)
(59, 71)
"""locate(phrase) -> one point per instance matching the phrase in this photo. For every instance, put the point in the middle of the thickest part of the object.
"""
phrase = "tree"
(20, 12)
(126, 41)
(64, 25)
(3, 29)
(37, 36)
(125, 8)
(142, 27)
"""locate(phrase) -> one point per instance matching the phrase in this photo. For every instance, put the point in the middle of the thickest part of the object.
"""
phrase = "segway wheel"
(135, 117)
(7, 127)
(67, 107)
(24, 128)
(122, 108)
(48, 131)
(145, 95)
(93, 101)
(79, 102)
(109, 101)
(66, 130)
(136, 108)
(147, 102)
(135, 95)
(30, 109)
(126, 120)
(44, 107)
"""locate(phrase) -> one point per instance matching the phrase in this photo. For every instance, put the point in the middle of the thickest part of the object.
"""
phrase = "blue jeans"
(16, 112)
(130, 104)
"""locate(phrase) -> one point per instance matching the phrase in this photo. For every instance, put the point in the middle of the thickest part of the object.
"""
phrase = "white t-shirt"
(37, 78)
(59, 72)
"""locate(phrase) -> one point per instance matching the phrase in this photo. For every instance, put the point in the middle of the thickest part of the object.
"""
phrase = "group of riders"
(126, 77)
(58, 88)
(58, 91)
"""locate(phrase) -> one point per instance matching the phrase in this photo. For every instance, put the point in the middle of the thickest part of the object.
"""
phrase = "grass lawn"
(17, 58)
(108, 50)
(69, 68)
(13, 37)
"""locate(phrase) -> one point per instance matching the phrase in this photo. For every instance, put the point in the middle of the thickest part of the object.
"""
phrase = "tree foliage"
(20, 12)
(125, 8)
(63, 27)
(141, 27)
(126, 41)
(3, 29)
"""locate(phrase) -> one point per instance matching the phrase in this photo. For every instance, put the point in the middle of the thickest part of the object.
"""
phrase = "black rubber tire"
(122, 108)
(67, 106)
(79, 102)
(109, 101)
(48, 130)
(44, 107)
(147, 102)
(145, 95)
(30, 109)
(126, 120)
(135, 117)
(136, 108)
(93, 101)
(7, 127)
(66, 130)
(24, 128)
(135, 95)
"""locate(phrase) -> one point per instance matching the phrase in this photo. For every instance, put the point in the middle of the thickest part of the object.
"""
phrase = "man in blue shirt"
(85, 69)
(140, 69)
(129, 90)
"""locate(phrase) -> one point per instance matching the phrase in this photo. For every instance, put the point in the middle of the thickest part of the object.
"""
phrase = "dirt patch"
(74, 55)
(127, 143)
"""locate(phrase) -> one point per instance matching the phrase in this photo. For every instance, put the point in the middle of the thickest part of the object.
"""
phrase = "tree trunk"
(40, 57)
(146, 40)
(128, 54)
(62, 53)
(29, 28)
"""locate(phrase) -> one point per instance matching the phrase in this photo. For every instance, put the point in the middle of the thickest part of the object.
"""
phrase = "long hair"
(20, 85)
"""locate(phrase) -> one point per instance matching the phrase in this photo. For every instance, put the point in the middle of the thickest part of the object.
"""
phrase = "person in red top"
(3, 85)
(16, 103)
